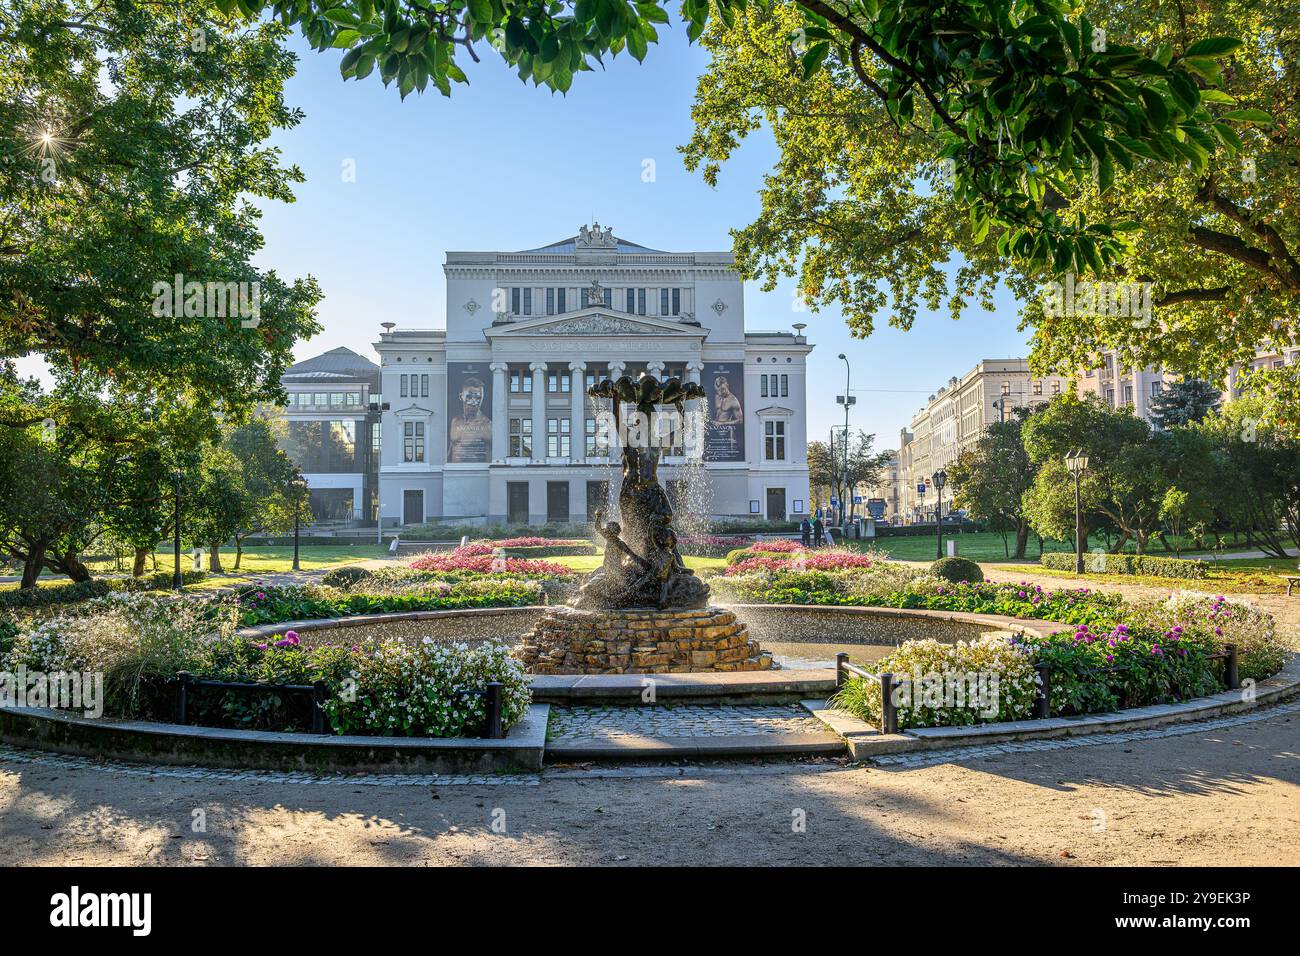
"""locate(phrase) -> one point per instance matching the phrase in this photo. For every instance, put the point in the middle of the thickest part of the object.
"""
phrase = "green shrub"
(1097, 562)
(345, 577)
(159, 581)
(54, 594)
(264, 604)
(8, 631)
(957, 570)
(418, 689)
(550, 551)
(949, 685)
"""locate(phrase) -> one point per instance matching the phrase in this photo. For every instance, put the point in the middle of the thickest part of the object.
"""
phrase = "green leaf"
(481, 10)
(1156, 108)
(1216, 96)
(1258, 117)
(341, 16)
(1185, 92)
(636, 44)
(814, 58)
(1213, 46)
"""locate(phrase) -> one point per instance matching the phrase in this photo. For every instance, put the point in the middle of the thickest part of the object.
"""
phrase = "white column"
(655, 368)
(539, 410)
(577, 414)
(500, 417)
(693, 371)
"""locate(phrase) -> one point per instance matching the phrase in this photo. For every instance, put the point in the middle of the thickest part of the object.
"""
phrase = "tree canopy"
(132, 141)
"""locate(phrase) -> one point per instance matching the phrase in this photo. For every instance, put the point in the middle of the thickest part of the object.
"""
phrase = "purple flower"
(1155, 649)
(1110, 658)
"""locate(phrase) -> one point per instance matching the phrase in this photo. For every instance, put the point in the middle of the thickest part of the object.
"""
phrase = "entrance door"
(557, 501)
(517, 502)
(412, 507)
(597, 498)
(776, 504)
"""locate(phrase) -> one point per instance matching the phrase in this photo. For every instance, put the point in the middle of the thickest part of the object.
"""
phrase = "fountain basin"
(568, 640)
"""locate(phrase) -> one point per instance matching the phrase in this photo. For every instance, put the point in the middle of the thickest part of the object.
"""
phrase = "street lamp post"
(176, 531)
(1077, 462)
(848, 400)
(299, 486)
(940, 477)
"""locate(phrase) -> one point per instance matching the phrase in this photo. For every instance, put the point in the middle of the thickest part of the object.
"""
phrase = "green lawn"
(261, 560)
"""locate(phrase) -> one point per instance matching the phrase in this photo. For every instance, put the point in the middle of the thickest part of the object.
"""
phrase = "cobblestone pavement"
(12, 756)
(774, 720)
(608, 723)
(930, 758)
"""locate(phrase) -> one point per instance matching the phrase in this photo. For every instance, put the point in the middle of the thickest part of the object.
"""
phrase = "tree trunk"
(214, 558)
(1022, 539)
(141, 555)
(69, 564)
(32, 565)
(239, 553)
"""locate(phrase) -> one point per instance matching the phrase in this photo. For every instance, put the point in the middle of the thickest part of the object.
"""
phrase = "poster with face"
(469, 399)
(724, 390)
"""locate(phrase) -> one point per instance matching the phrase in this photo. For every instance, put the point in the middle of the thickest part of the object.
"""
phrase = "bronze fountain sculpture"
(643, 610)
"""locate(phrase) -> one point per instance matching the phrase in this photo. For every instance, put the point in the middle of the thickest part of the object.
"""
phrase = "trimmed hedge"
(1099, 563)
(55, 594)
(550, 551)
(957, 570)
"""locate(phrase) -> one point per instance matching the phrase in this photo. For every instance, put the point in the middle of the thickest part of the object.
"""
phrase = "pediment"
(775, 411)
(594, 320)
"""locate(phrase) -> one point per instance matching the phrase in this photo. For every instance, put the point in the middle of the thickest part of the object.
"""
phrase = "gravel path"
(1227, 793)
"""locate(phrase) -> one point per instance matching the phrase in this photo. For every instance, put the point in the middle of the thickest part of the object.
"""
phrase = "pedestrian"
(805, 532)
(818, 529)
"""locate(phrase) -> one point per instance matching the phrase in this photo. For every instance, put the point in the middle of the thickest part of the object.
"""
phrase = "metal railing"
(1042, 700)
(493, 722)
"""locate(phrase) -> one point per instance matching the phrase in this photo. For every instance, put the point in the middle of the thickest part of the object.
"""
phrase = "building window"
(403, 392)
(1110, 396)
(1056, 388)
(785, 386)
(597, 374)
(640, 301)
(1157, 388)
(762, 386)
(1006, 388)
(550, 301)
(514, 301)
(424, 386)
(558, 382)
(557, 438)
(413, 441)
(521, 381)
(521, 437)
(1038, 388)
(354, 398)
(528, 301)
(677, 302)
(774, 441)
(1128, 394)
(559, 300)
(597, 445)
(663, 301)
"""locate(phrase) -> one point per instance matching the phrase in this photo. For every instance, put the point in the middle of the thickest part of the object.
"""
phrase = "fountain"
(642, 611)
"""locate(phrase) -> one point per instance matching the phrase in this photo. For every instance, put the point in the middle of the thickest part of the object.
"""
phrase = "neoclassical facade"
(488, 417)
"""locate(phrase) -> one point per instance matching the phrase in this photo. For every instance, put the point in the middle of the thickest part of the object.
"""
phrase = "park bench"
(1291, 581)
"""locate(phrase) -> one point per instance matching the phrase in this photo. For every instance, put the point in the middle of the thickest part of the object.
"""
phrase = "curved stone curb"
(864, 740)
(526, 616)
(42, 728)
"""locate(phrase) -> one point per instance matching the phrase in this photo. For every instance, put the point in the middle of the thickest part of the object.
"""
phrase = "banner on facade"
(724, 390)
(469, 404)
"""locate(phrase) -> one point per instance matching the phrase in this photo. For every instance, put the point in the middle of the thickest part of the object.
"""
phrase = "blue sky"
(501, 165)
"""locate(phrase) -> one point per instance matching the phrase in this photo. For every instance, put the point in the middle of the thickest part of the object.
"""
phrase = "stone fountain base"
(573, 641)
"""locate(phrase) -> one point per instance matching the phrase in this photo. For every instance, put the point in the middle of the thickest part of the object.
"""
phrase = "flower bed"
(392, 688)
(487, 563)
(271, 605)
